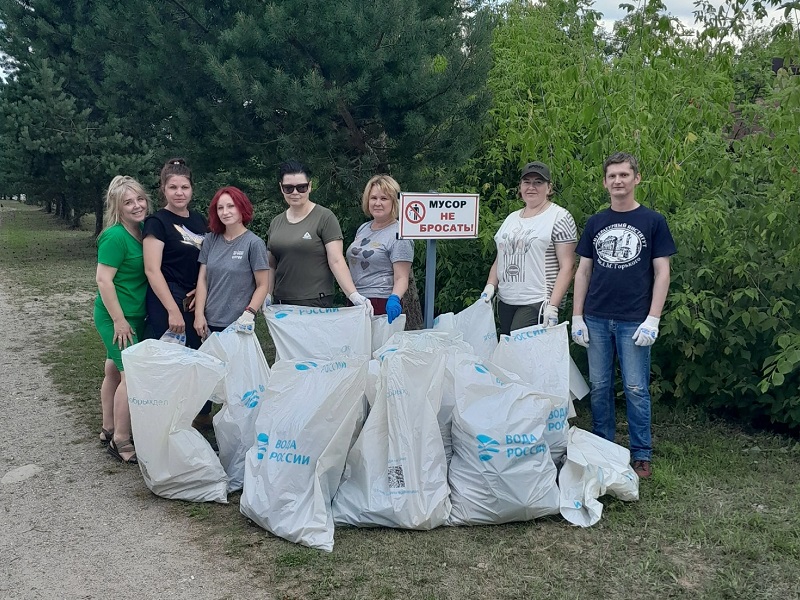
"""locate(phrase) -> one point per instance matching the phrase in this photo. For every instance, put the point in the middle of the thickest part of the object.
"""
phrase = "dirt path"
(74, 523)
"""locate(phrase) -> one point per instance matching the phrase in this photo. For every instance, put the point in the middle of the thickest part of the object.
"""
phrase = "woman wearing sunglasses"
(305, 248)
(380, 264)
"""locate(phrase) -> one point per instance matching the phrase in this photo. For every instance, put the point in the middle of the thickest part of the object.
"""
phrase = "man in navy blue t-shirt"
(620, 288)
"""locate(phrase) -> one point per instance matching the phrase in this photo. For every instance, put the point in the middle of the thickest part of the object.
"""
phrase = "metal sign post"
(435, 216)
(430, 281)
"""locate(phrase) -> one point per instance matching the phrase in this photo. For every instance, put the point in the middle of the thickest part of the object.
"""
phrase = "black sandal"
(106, 435)
(116, 452)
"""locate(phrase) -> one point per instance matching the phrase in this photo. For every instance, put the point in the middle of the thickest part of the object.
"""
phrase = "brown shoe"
(203, 422)
(642, 468)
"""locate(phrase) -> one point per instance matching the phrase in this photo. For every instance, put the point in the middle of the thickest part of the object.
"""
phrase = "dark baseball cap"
(539, 168)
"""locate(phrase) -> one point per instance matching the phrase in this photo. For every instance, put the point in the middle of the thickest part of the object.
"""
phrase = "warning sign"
(438, 216)
(415, 212)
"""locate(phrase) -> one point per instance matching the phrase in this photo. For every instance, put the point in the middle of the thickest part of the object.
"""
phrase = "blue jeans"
(609, 338)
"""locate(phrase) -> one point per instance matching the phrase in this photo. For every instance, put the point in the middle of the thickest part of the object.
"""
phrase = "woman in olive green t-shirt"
(304, 248)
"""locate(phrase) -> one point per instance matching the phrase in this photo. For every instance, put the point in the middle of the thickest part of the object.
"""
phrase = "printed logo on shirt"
(237, 255)
(619, 246)
(189, 237)
(514, 247)
(306, 236)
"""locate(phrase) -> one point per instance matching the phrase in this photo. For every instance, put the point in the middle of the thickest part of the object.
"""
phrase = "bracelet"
(251, 310)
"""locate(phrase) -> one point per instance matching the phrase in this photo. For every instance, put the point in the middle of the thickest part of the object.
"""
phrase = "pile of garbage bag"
(361, 423)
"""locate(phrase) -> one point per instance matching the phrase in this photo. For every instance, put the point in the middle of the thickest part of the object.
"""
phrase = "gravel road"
(73, 522)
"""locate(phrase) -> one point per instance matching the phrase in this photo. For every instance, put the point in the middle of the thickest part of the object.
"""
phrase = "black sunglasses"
(301, 188)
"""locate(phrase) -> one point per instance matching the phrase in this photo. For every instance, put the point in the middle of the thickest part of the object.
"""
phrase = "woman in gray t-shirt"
(233, 280)
(380, 264)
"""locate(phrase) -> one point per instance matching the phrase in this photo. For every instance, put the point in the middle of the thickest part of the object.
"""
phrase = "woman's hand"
(190, 298)
(201, 325)
(123, 334)
(176, 322)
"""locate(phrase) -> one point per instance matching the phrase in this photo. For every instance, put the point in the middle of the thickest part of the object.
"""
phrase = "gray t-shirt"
(371, 257)
(229, 274)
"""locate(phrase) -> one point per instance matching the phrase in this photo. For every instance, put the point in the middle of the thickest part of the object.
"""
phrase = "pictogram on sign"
(415, 212)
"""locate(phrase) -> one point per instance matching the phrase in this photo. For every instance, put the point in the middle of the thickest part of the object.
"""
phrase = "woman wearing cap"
(305, 250)
(535, 256)
(380, 263)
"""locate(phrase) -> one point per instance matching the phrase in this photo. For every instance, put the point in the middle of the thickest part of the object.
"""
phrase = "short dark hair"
(619, 158)
(175, 166)
(292, 167)
(240, 200)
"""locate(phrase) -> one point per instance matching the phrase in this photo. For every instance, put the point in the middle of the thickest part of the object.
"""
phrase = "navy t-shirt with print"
(622, 246)
(182, 238)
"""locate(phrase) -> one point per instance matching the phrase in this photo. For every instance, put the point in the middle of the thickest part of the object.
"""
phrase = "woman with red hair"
(233, 267)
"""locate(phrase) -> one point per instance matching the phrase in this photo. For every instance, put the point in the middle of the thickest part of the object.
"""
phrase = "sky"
(682, 9)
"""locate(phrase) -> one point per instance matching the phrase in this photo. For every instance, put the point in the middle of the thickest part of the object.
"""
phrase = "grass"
(720, 518)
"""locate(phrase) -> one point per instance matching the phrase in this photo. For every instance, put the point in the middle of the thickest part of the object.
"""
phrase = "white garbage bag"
(476, 324)
(396, 473)
(578, 388)
(428, 340)
(302, 332)
(540, 357)
(594, 467)
(241, 393)
(302, 437)
(382, 330)
(501, 470)
(167, 386)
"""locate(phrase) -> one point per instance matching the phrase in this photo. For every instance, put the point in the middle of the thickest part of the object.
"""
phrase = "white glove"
(580, 334)
(488, 293)
(550, 315)
(246, 323)
(359, 300)
(647, 332)
(267, 302)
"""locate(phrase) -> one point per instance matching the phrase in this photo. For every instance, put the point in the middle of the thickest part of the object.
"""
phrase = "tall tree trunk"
(98, 217)
(61, 205)
(75, 219)
(412, 306)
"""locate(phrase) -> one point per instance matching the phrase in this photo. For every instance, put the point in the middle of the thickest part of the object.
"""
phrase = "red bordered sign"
(438, 216)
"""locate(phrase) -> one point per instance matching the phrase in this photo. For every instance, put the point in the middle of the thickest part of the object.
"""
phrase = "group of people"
(620, 288)
(180, 272)
(168, 270)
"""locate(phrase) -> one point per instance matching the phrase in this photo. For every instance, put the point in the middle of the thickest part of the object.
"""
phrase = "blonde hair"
(119, 186)
(388, 186)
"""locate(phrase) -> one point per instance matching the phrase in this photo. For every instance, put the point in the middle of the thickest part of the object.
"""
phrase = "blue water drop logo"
(481, 369)
(281, 315)
(251, 399)
(263, 442)
(386, 353)
(487, 447)
(578, 504)
(305, 366)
